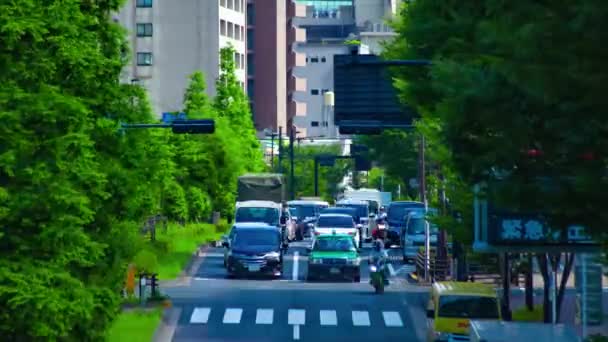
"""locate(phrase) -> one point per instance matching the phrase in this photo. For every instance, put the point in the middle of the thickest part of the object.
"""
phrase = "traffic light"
(193, 126)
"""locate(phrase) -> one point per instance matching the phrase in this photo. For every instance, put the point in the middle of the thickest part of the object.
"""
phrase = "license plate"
(334, 270)
(254, 268)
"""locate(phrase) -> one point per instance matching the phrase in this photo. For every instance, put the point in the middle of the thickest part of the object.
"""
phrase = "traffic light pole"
(280, 168)
(292, 190)
(316, 176)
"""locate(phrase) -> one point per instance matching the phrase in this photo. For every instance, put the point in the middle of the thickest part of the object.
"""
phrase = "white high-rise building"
(171, 39)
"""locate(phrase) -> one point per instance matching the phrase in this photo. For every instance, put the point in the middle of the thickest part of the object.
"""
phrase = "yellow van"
(453, 304)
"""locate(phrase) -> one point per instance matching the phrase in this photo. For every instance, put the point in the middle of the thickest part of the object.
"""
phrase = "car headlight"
(355, 261)
(272, 255)
(316, 261)
(310, 225)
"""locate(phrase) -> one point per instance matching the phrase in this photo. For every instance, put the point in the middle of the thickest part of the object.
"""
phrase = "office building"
(271, 60)
(172, 39)
(371, 18)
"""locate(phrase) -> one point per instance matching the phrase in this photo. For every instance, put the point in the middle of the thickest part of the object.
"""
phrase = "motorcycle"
(380, 232)
(378, 277)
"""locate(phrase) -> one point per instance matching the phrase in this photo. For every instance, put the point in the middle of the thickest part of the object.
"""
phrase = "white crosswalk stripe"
(200, 315)
(361, 318)
(297, 317)
(264, 316)
(328, 317)
(232, 316)
(392, 319)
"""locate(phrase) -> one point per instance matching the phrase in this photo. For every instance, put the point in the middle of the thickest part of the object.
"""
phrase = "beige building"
(171, 39)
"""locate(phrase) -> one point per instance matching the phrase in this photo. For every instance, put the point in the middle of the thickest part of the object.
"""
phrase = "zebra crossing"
(299, 317)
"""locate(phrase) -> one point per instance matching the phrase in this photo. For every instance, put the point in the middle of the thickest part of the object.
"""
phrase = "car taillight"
(352, 233)
(317, 233)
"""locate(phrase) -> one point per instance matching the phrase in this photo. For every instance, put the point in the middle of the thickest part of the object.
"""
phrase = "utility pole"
(272, 150)
(422, 170)
(316, 176)
(280, 168)
(292, 134)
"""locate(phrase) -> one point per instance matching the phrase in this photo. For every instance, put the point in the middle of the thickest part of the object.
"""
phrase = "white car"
(340, 224)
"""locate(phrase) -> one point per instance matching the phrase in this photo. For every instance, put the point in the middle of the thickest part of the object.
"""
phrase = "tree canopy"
(74, 188)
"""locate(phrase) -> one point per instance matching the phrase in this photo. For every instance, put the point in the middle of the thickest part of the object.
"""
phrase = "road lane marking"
(392, 319)
(211, 255)
(294, 273)
(264, 316)
(361, 318)
(200, 315)
(328, 317)
(296, 317)
(391, 269)
(232, 316)
(296, 332)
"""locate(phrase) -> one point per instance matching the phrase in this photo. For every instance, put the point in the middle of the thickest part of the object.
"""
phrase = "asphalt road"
(215, 308)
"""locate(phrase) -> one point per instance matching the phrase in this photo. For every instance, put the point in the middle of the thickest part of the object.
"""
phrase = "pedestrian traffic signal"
(193, 126)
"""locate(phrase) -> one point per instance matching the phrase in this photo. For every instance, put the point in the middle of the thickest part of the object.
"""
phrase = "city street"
(215, 308)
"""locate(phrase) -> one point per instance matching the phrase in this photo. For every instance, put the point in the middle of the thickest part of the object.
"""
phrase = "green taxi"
(334, 255)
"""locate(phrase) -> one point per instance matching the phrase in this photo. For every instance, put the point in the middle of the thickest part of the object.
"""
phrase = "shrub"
(146, 261)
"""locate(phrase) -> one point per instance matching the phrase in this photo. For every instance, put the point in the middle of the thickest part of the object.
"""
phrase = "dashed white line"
(294, 273)
(328, 317)
(232, 316)
(296, 332)
(200, 315)
(361, 319)
(392, 319)
(391, 269)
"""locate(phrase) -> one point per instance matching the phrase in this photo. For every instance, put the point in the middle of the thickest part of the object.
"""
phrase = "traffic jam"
(360, 232)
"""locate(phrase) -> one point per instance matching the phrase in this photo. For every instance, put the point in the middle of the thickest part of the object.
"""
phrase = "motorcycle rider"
(379, 257)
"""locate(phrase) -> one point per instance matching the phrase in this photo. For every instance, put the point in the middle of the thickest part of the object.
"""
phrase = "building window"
(144, 3)
(323, 60)
(237, 5)
(243, 60)
(230, 4)
(325, 124)
(237, 60)
(237, 32)
(324, 91)
(144, 30)
(223, 3)
(250, 65)
(314, 123)
(314, 91)
(243, 6)
(223, 27)
(242, 33)
(230, 30)
(314, 60)
(250, 14)
(144, 58)
(250, 40)
(250, 88)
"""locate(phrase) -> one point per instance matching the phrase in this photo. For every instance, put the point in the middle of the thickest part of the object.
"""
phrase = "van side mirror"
(309, 249)
(430, 313)
(225, 244)
(283, 219)
(285, 245)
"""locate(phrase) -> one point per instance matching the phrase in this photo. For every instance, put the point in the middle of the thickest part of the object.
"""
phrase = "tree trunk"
(529, 284)
(564, 282)
(544, 270)
(506, 286)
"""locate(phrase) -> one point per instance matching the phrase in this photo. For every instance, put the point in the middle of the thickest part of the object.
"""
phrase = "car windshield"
(416, 226)
(398, 212)
(335, 222)
(305, 211)
(334, 245)
(255, 237)
(253, 214)
(362, 209)
(470, 307)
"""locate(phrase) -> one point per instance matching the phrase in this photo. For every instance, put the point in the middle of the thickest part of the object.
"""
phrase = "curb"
(165, 331)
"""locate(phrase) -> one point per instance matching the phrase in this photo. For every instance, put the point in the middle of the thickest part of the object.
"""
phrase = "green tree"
(499, 87)
(72, 190)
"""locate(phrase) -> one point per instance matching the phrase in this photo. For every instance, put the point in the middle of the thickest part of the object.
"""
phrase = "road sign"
(365, 98)
(193, 126)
